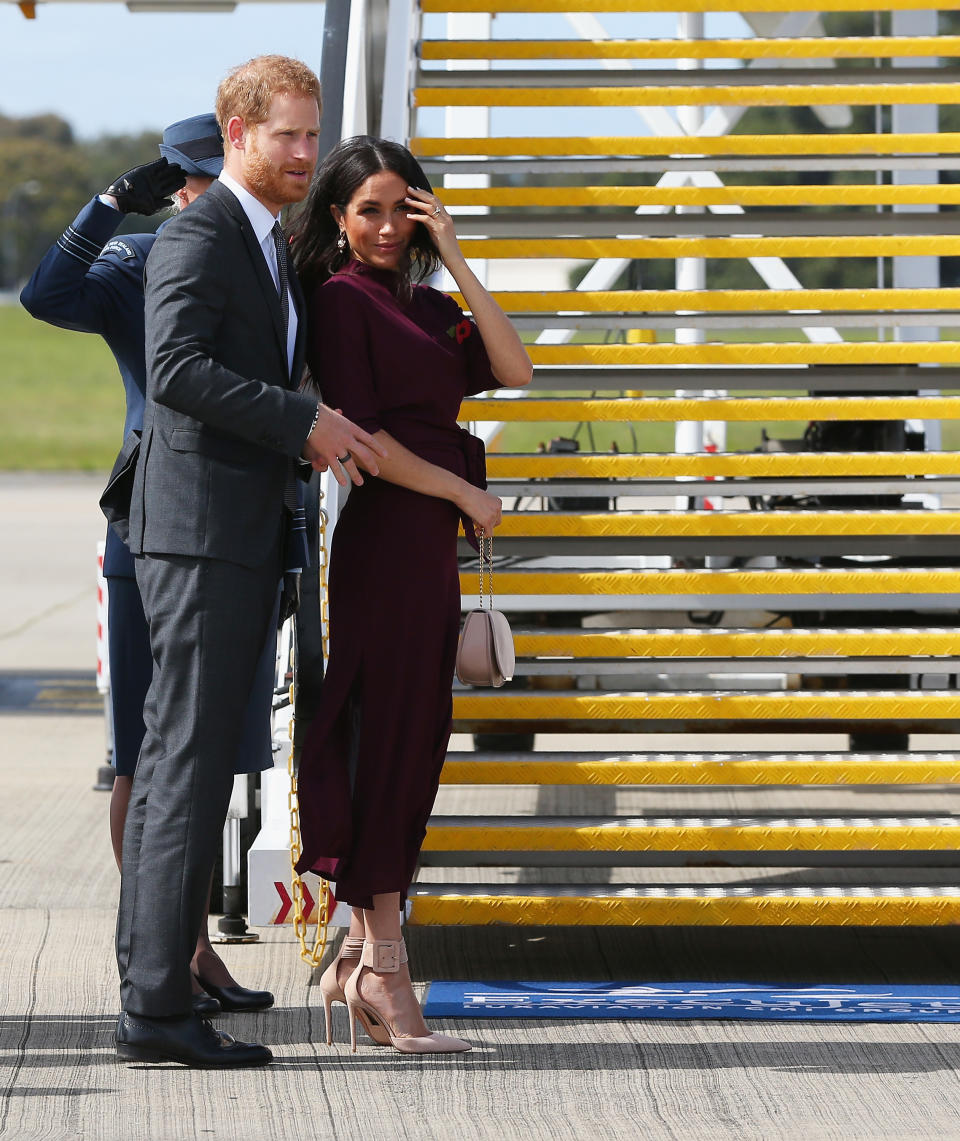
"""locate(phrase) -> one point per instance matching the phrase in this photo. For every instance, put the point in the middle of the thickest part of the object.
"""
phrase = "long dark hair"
(314, 233)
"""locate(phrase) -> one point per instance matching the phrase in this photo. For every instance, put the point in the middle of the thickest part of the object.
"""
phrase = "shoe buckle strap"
(384, 955)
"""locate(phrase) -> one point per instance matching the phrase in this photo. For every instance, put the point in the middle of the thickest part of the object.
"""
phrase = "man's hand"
(337, 443)
(148, 188)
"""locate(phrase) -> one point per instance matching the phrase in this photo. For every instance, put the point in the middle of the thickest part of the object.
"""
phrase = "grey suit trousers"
(208, 622)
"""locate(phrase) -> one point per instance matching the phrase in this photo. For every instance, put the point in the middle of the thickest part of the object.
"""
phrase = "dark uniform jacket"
(92, 284)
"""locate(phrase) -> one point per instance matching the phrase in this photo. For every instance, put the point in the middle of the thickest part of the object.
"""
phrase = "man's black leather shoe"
(234, 998)
(192, 1041)
(205, 1005)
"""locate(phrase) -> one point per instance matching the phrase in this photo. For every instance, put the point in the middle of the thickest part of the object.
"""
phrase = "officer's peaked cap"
(195, 144)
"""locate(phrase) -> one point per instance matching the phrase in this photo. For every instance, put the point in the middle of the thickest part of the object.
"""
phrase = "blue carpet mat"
(733, 1000)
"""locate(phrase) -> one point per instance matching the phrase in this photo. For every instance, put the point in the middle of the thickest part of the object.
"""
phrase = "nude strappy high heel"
(387, 956)
(331, 992)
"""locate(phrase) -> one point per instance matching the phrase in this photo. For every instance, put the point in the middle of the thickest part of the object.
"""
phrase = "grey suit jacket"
(223, 426)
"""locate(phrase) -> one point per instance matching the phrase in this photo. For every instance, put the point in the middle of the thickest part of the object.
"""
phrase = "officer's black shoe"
(191, 1041)
(237, 998)
(205, 1005)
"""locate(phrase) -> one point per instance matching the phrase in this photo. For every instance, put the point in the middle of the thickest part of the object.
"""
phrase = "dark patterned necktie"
(283, 271)
(296, 556)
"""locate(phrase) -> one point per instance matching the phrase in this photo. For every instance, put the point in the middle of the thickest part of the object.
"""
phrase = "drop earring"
(342, 241)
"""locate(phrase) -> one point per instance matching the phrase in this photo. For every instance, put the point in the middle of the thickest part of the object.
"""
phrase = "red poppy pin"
(461, 331)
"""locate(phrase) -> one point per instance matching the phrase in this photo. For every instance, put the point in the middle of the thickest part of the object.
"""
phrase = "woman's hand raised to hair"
(508, 357)
(428, 209)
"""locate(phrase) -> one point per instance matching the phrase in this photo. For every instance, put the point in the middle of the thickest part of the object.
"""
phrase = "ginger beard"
(267, 179)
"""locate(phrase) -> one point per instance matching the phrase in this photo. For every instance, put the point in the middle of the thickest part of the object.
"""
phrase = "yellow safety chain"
(313, 955)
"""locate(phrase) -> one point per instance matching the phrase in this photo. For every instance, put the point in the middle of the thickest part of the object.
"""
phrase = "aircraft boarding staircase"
(679, 596)
(607, 835)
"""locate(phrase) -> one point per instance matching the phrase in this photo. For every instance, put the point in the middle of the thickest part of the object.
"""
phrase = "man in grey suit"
(213, 496)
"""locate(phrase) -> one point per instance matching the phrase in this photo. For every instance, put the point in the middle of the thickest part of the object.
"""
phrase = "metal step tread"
(565, 89)
(938, 243)
(750, 523)
(523, 905)
(772, 820)
(677, 5)
(839, 581)
(507, 838)
(674, 146)
(681, 891)
(655, 674)
(641, 302)
(845, 77)
(700, 769)
(599, 489)
(604, 756)
(504, 839)
(658, 322)
(744, 354)
(669, 409)
(771, 224)
(743, 465)
(600, 709)
(592, 168)
(897, 378)
(805, 194)
(784, 644)
(793, 47)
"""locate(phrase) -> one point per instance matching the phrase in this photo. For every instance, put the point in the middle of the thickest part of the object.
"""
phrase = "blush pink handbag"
(485, 654)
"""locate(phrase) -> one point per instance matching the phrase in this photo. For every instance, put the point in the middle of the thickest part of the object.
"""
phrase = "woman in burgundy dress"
(397, 358)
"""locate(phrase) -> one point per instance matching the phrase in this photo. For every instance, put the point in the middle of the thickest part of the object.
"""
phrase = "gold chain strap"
(486, 567)
(313, 955)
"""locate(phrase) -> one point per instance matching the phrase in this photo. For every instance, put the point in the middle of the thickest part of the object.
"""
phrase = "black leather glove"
(289, 597)
(148, 188)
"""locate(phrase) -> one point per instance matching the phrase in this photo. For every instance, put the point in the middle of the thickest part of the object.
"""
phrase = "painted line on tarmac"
(50, 692)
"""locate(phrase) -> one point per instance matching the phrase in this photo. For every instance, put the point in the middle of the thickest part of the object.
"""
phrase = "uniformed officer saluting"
(92, 282)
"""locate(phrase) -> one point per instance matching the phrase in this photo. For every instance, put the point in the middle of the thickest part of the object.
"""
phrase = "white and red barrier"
(103, 606)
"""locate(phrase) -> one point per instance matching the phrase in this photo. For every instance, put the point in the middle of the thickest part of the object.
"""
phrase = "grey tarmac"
(529, 1080)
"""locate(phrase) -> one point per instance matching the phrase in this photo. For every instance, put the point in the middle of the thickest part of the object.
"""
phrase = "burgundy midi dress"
(371, 762)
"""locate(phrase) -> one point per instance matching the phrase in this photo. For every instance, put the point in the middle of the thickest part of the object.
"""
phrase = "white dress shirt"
(262, 222)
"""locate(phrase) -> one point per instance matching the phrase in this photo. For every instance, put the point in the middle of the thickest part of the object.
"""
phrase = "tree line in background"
(46, 175)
